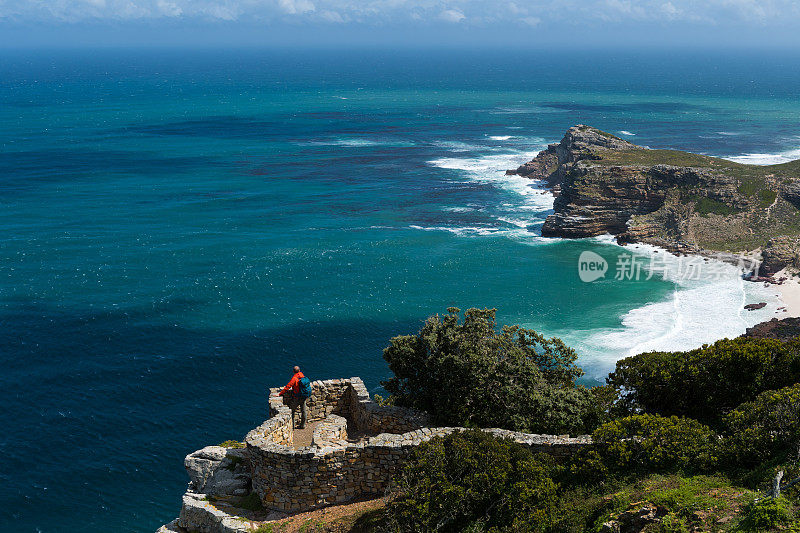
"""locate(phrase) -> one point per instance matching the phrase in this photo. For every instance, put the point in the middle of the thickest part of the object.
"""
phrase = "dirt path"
(347, 518)
(302, 437)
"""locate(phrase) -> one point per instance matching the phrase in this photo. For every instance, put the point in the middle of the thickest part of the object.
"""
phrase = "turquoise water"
(180, 228)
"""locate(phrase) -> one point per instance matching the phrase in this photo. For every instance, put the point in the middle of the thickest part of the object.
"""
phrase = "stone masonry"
(333, 470)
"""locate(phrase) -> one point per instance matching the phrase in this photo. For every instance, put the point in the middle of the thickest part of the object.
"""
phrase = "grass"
(365, 518)
(705, 206)
(766, 197)
(750, 187)
(783, 219)
(699, 503)
(234, 461)
(599, 132)
(748, 224)
(232, 444)
(646, 157)
(251, 502)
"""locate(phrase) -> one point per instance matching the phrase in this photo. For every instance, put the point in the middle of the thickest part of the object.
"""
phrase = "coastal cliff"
(681, 201)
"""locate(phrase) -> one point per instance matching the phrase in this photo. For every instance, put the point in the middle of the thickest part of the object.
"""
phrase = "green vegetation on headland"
(682, 441)
(677, 158)
(674, 199)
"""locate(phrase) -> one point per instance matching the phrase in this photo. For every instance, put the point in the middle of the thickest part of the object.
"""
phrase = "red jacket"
(294, 384)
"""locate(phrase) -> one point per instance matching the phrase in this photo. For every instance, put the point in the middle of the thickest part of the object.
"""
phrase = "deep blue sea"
(179, 228)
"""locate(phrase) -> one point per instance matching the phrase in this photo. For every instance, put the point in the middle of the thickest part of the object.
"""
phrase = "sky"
(578, 23)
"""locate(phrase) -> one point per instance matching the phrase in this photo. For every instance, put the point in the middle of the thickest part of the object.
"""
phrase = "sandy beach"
(789, 293)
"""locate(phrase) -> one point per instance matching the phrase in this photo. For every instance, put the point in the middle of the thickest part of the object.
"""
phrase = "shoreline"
(681, 319)
(789, 294)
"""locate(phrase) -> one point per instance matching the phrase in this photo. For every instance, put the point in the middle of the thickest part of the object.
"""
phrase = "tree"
(765, 428)
(469, 374)
(472, 481)
(649, 443)
(708, 382)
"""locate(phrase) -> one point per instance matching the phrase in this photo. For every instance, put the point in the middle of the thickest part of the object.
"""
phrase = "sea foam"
(358, 142)
(701, 309)
(766, 159)
(526, 205)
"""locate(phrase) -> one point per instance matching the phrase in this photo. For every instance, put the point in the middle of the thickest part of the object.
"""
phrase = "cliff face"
(674, 199)
(579, 143)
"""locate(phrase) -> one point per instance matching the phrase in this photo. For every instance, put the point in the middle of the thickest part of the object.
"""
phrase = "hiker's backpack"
(305, 388)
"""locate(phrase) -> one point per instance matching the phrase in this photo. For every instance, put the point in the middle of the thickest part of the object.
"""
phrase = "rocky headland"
(680, 201)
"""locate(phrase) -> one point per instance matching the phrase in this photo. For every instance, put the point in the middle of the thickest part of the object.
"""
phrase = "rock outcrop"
(218, 471)
(678, 200)
(779, 253)
(579, 143)
(782, 329)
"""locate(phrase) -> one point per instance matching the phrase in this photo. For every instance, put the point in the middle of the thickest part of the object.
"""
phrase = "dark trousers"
(294, 402)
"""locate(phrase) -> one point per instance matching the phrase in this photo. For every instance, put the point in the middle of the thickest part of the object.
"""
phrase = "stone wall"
(333, 470)
(331, 432)
(278, 429)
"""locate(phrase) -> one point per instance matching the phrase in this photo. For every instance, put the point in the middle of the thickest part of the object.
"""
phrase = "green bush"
(672, 523)
(472, 481)
(705, 206)
(708, 382)
(649, 443)
(765, 515)
(469, 374)
(765, 428)
(750, 186)
(766, 197)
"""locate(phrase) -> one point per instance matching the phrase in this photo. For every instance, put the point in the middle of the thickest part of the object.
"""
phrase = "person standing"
(299, 389)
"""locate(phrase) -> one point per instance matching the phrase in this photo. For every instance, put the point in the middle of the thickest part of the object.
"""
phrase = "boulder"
(172, 527)
(198, 515)
(792, 193)
(636, 519)
(779, 253)
(218, 471)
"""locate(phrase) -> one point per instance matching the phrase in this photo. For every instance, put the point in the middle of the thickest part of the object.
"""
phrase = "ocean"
(181, 227)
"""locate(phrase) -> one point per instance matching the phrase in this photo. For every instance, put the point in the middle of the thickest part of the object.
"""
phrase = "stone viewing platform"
(356, 447)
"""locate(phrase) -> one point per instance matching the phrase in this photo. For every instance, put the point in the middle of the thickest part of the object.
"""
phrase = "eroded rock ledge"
(680, 201)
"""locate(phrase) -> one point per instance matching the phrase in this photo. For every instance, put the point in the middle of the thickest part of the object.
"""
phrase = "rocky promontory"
(677, 200)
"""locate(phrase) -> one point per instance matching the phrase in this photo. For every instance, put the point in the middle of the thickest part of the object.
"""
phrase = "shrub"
(765, 515)
(472, 481)
(648, 443)
(232, 444)
(767, 426)
(708, 382)
(469, 374)
(671, 523)
(705, 206)
(766, 197)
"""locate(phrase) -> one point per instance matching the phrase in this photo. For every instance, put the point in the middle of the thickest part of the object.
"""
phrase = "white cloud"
(531, 21)
(220, 12)
(332, 16)
(417, 12)
(170, 9)
(294, 7)
(452, 15)
(670, 10)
